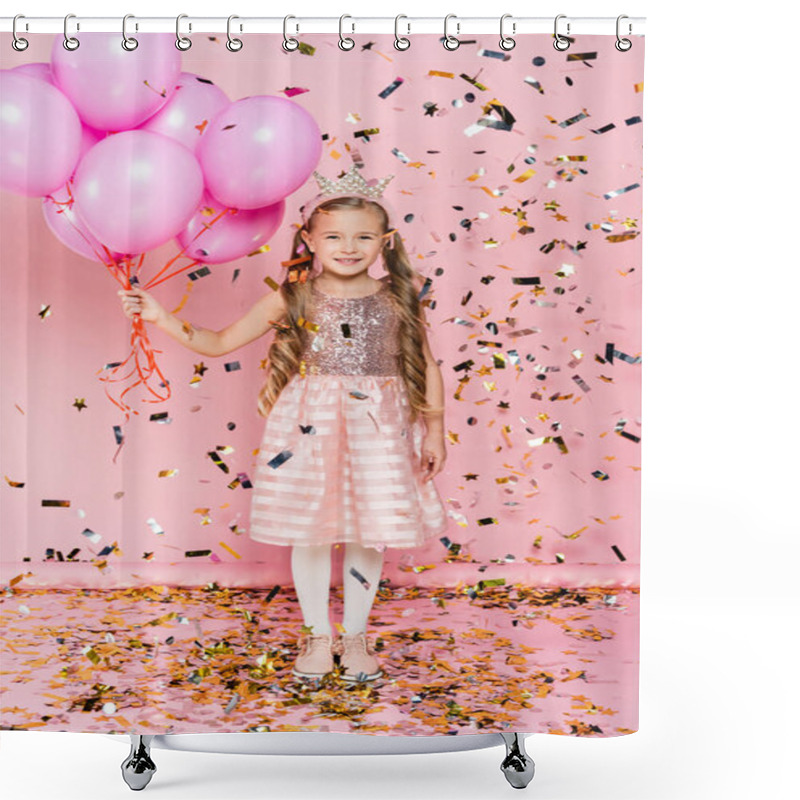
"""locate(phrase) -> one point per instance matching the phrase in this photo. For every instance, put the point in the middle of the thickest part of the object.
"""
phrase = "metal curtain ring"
(128, 42)
(623, 45)
(18, 43)
(560, 43)
(397, 39)
(289, 44)
(70, 42)
(351, 42)
(448, 39)
(506, 42)
(233, 45)
(182, 42)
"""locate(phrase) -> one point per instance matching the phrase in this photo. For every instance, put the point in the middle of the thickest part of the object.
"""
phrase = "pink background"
(536, 493)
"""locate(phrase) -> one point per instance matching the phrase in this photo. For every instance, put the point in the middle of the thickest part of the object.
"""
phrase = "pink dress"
(339, 461)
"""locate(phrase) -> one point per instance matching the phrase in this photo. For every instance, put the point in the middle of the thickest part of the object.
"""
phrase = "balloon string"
(150, 284)
(68, 204)
(153, 282)
(140, 343)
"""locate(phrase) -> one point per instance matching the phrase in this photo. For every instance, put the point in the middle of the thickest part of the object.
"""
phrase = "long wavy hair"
(283, 358)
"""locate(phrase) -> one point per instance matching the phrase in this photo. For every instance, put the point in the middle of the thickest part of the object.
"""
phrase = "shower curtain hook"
(70, 42)
(448, 39)
(233, 45)
(627, 42)
(182, 42)
(397, 38)
(560, 43)
(289, 48)
(342, 40)
(128, 42)
(18, 43)
(506, 42)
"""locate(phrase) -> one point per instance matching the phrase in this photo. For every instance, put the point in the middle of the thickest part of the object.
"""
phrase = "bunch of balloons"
(129, 152)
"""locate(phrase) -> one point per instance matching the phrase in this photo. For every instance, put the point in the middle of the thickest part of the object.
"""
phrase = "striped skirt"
(339, 462)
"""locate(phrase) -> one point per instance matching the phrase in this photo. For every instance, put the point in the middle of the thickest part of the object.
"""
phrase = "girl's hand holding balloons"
(138, 301)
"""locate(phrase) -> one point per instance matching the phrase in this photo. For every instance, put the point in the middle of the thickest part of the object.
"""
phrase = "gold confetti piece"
(474, 82)
(232, 552)
(529, 173)
(622, 237)
(588, 56)
(212, 454)
(168, 473)
(304, 323)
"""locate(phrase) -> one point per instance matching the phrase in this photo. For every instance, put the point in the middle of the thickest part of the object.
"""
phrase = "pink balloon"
(259, 150)
(136, 190)
(185, 116)
(36, 69)
(89, 138)
(232, 236)
(40, 132)
(41, 71)
(70, 229)
(113, 88)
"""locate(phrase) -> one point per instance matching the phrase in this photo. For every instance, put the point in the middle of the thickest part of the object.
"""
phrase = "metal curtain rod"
(631, 26)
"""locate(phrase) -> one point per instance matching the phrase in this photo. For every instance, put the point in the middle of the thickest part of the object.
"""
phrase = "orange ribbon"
(139, 341)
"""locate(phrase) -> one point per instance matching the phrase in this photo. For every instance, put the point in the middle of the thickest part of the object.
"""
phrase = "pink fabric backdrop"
(556, 521)
(531, 238)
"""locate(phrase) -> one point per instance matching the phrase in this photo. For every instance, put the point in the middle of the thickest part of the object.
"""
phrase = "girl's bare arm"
(255, 323)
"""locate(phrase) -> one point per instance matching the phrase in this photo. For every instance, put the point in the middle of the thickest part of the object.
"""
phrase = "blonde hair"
(283, 358)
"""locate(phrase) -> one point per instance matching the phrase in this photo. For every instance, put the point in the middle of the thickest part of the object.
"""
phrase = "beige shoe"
(357, 658)
(315, 658)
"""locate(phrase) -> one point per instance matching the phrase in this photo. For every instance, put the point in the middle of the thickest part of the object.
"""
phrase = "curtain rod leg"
(517, 766)
(138, 768)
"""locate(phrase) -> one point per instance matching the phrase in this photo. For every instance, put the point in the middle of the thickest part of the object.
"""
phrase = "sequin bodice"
(356, 335)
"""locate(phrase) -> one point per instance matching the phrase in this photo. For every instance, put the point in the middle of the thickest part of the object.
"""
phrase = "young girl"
(344, 456)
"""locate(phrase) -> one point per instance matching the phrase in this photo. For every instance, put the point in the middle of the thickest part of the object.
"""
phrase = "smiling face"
(346, 241)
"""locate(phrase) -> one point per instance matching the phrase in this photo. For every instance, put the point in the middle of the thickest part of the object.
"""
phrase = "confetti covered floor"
(161, 660)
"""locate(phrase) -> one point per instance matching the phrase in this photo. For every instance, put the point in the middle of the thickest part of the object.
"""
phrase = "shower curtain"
(134, 597)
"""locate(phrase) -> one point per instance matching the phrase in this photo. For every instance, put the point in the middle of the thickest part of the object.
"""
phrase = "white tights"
(311, 571)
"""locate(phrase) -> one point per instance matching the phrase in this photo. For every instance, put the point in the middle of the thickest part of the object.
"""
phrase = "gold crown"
(352, 182)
